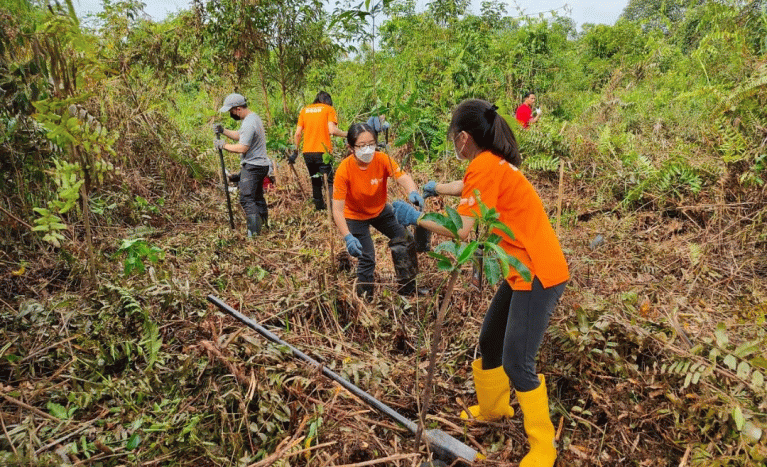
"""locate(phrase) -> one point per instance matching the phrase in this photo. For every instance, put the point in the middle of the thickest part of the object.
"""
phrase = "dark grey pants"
(385, 223)
(252, 189)
(513, 331)
(317, 168)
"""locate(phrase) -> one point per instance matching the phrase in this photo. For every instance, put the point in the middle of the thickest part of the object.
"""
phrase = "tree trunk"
(263, 90)
(84, 195)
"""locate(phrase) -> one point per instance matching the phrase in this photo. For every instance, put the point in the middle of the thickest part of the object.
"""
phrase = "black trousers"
(513, 330)
(317, 168)
(385, 223)
(252, 189)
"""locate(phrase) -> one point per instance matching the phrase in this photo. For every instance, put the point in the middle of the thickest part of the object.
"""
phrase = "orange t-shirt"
(314, 120)
(503, 187)
(364, 191)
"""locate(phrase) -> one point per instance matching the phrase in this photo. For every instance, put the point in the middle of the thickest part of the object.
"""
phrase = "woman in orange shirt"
(359, 201)
(519, 313)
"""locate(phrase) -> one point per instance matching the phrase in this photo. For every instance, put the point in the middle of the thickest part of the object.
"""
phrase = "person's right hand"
(293, 156)
(353, 246)
(218, 128)
(405, 213)
(430, 189)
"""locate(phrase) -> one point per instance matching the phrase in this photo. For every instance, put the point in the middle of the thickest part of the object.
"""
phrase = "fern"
(734, 146)
(542, 163)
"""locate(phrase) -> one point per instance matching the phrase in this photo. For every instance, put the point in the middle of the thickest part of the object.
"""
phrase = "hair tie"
(491, 113)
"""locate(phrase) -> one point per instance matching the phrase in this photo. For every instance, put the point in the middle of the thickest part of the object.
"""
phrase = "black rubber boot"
(405, 259)
(365, 291)
(254, 224)
(319, 204)
(422, 239)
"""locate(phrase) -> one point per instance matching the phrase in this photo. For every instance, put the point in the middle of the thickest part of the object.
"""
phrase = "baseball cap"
(233, 100)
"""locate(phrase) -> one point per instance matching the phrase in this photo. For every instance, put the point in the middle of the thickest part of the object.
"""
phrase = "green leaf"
(448, 246)
(721, 335)
(441, 220)
(759, 362)
(133, 442)
(466, 252)
(492, 270)
(57, 410)
(438, 256)
(744, 369)
(456, 218)
(494, 238)
(757, 379)
(731, 362)
(500, 253)
(738, 418)
(445, 265)
(503, 228)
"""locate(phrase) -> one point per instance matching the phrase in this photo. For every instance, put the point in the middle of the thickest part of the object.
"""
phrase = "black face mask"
(234, 116)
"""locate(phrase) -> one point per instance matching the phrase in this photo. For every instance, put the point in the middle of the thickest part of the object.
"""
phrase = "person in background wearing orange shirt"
(519, 313)
(525, 112)
(359, 201)
(317, 122)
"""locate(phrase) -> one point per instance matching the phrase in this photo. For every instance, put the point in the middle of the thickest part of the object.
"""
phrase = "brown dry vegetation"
(649, 297)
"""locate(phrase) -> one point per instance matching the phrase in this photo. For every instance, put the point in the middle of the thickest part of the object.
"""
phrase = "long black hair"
(356, 130)
(489, 130)
(323, 98)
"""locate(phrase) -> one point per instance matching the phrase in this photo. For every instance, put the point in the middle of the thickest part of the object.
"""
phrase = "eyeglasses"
(365, 146)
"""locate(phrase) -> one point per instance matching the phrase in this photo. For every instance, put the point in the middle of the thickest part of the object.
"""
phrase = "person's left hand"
(416, 198)
(219, 144)
(405, 213)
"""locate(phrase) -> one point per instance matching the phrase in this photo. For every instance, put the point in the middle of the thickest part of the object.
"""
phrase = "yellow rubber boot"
(540, 430)
(493, 392)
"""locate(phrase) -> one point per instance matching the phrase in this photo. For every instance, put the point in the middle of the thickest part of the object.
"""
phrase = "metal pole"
(226, 185)
(440, 442)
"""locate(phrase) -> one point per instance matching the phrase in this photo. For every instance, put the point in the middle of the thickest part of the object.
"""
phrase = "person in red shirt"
(519, 313)
(525, 111)
(359, 201)
(317, 122)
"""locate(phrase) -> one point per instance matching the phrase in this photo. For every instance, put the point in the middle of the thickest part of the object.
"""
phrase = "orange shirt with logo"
(503, 187)
(364, 190)
(314, 120)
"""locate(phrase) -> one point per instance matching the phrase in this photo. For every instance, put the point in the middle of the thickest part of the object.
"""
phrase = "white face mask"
(365, 154)
(458, 151)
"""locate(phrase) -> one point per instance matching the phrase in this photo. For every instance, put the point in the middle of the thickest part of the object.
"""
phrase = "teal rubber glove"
(430, 189)
(405, 213)
(416, 199)
(353, 246)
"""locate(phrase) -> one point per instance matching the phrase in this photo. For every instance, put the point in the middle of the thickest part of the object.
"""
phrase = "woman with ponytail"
(519, 313)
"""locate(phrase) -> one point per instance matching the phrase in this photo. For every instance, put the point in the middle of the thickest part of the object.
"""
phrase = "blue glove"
(353, 246)
(430, 189)
(405, 213)
(416, 199)
(219, 144)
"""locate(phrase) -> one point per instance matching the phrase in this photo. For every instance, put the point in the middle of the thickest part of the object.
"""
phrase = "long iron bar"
(443, 444)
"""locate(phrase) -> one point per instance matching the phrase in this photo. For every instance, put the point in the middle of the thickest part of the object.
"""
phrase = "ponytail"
(489, 130)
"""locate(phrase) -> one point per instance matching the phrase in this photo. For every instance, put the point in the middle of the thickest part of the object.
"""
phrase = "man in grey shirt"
(251, 145)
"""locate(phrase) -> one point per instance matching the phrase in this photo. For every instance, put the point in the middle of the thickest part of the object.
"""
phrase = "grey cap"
(233, 100)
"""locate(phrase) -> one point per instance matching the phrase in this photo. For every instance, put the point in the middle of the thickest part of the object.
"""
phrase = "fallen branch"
(382, 460)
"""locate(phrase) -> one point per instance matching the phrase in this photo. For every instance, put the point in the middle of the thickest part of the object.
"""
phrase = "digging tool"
(295, 174)
(441, 443)
(226, 185)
